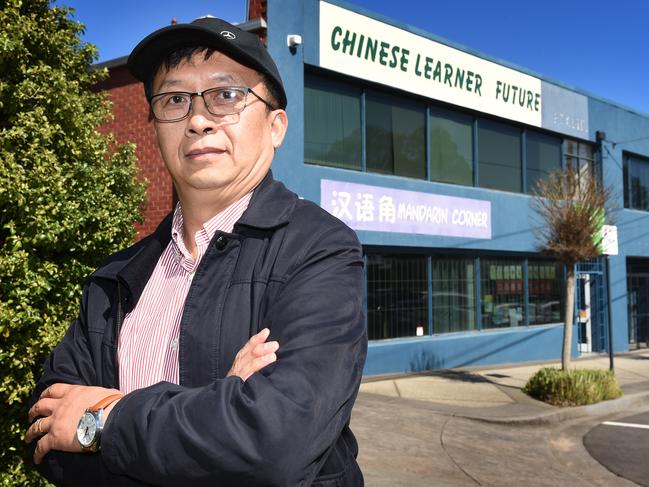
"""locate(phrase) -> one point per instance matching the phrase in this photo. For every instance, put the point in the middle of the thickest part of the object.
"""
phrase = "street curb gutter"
(558, 415)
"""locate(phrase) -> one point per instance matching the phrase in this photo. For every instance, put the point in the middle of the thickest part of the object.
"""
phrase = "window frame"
(477, 259)
(364, 89)
(629, 159)
(339, 87)
(459, 117)
(521, 153)
(387, 98)
(560, 164)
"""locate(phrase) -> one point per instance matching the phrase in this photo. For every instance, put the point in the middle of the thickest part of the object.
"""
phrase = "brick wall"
(131, 124)
(257, 9)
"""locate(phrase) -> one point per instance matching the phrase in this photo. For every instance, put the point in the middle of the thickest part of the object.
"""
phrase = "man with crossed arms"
(227, 347)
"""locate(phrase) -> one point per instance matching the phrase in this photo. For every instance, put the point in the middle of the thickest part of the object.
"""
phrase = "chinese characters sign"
(364, 207)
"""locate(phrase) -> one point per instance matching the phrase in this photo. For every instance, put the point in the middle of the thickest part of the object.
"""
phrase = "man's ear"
(278, 126)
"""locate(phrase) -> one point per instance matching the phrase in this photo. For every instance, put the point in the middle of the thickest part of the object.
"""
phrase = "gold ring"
(38, 426)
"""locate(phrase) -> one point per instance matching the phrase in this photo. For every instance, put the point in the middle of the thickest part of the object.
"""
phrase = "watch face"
(87, 429)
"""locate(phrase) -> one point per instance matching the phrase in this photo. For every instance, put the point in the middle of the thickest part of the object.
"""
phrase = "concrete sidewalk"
(495, 394)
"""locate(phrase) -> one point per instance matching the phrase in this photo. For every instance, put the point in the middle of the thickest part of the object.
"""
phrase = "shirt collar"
(223, 221)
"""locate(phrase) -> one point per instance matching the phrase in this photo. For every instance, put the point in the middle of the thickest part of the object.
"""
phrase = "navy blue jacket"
(289, 266)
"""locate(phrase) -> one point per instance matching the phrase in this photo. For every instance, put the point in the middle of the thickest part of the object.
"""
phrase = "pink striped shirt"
(147, 349)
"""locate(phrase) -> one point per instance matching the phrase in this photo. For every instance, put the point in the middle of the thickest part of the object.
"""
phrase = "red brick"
(131, 123)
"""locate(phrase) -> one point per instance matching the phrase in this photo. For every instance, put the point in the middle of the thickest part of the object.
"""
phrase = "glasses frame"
(245, 89)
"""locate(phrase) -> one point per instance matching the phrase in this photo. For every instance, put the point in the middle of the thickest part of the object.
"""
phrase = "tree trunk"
(569, 313)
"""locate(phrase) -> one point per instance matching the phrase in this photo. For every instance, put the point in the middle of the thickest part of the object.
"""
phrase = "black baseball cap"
(244, 47)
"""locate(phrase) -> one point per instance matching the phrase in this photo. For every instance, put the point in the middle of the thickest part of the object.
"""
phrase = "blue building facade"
(429, 150)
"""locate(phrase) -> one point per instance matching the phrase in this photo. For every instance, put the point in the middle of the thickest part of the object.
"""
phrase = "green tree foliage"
(68, 197)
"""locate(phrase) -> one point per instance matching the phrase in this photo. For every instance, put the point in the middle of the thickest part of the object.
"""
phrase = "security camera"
(293, 40)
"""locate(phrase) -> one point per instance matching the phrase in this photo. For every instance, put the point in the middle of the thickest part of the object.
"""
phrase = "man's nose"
(200, 119)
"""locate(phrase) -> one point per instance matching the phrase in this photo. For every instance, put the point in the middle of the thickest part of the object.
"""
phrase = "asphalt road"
(408, 443)
(622, 446)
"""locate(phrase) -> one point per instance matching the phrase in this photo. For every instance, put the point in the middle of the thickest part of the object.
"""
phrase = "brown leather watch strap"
(107, 401)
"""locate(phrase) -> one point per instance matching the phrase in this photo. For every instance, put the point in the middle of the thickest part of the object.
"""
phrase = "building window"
(545, 289)
(636, 182)
(453, 295)
(451, 147)
(502, 293)
(349, 126)
(332, 124)
(581, 155)
(543, 155)
(395, 137)
(399, 304)
(397, 296)
(499, 156)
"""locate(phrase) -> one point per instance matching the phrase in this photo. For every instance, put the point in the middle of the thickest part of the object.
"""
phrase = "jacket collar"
(133, 266)
(136, 273)
(270, 207)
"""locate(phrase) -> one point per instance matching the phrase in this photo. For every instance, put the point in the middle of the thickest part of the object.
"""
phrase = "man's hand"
(60, 407)
(254, 356)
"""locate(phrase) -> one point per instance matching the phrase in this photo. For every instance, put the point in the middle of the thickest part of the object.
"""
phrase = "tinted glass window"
(499, 156)
(636, 182)
(502, 293)
(332, 124)
(451, 147)
(395, 137)
(581, 155)
(545, 288)
(397, 296)
(543, 156)
(625, 176)
(398, 299)
(453, 295)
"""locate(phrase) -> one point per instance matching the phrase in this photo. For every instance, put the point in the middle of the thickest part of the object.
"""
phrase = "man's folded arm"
(71, 363)
(274, 428)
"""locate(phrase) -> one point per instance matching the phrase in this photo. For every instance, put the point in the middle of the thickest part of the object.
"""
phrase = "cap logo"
(228, 35)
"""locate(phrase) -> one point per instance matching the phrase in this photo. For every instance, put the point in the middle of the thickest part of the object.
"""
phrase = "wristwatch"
(91, 424)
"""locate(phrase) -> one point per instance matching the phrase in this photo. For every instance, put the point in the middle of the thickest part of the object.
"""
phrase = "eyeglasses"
(176, 105)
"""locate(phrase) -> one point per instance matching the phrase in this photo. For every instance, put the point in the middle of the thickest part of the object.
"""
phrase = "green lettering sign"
(403, 65)
(383, 53)
(335, 45)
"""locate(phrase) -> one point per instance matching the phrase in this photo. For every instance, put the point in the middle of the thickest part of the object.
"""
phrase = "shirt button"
(174, 344)
(221, 242)
(190, 276)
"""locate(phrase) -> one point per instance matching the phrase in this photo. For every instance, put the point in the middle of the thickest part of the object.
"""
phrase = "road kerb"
(558, 415)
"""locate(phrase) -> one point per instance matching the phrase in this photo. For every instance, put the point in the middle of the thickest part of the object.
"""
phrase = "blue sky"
(598, 46)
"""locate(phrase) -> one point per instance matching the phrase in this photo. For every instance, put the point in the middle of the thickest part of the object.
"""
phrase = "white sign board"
(365, 48)
(365, 207)
(609, 240)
